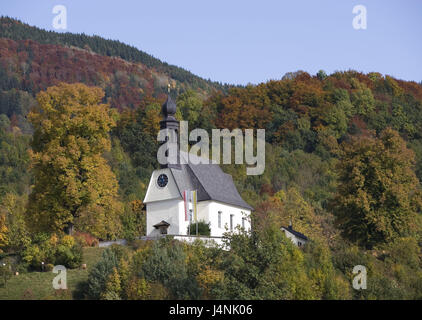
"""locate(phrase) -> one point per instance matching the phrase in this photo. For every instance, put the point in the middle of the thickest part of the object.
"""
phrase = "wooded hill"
(343, 161)
(16, 30)
(33, 59)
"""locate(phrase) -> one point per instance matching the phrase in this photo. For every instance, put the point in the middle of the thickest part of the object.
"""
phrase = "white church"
(218, 201)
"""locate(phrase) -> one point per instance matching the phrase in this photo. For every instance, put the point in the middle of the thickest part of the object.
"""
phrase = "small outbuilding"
(296, 237)
(162, 226)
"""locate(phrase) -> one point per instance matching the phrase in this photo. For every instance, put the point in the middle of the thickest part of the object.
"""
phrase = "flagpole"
(195, 209)
(190, 219)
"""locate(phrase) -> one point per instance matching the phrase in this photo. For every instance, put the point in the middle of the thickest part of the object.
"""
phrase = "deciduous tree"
(379, 194)
(73, 182)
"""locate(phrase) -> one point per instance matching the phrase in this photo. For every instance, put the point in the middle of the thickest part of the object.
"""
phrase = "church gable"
(210, 182)
(162, 186)
(189, 173)
(218, 201)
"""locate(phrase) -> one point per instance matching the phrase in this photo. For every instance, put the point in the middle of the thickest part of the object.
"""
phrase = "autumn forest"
(79, 117)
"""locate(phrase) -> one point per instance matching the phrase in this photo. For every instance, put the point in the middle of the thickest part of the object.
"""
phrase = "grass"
(38, 285)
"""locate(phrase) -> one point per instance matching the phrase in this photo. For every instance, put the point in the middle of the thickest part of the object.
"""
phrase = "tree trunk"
(69, 229)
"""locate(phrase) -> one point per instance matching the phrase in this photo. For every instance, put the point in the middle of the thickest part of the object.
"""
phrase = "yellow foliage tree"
(379, 195)
(291, 207)
(151, 120)
(113, 287)
(73, 182)
(15, 232)
(207, 278)
(138, 289)
(3, 232)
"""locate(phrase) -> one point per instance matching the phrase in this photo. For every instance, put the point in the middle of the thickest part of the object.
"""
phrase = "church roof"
(169, 107)
(210, 182)
(294, 232)
(161, 224)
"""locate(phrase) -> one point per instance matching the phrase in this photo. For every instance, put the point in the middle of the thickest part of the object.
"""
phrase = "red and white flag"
(186, 200)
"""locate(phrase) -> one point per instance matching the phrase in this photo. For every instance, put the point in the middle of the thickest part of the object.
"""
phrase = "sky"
(242, 41)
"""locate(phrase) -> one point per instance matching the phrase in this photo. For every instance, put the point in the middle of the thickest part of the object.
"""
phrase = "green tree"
(264, 265)
(12, 208)
(113, 287)
(321, 75)
(167, 264)
(100, 274)
(190, 105)
(3, 232)
(330, 283)
(336, 120)
(4, 122)
(73, 182)
(379, 194)
(362, 99)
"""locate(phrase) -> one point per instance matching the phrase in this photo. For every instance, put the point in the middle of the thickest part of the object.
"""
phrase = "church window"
(231, 222)
(219, 219)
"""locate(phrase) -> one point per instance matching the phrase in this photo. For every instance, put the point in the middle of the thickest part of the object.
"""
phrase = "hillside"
(33, 59)
(16, 30)
(343, 161)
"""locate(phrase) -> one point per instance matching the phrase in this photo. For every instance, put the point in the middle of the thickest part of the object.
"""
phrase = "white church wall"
(172, 211)
(183, 230)
(167, 210)
(156, 193)
(203, 209)
(226, 211)
(166, 204)
(208, 241)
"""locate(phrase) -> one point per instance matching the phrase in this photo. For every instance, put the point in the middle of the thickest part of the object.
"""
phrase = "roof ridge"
(175, 180)
(296, 233)
(200, 182)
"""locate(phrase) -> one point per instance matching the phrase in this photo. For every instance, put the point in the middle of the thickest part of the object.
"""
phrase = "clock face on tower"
(162, 180)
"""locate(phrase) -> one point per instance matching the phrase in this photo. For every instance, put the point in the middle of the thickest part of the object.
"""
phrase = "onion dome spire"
(169, 108)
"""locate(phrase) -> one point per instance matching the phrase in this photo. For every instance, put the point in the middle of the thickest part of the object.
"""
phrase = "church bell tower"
(170, 124)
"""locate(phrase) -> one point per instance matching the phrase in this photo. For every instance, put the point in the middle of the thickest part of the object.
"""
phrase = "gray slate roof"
(296, 233)
(210, 182)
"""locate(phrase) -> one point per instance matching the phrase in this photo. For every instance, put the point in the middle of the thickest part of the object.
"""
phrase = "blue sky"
(246, 41)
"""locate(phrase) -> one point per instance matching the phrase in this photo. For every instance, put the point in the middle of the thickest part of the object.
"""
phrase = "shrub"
(86, 239)
(52, 250)
(138, 289)
(70, 257)
(158, 291)
(48, 267)
(67, 241)
(167, 264)
(99, 275)
(133, 221)
(5, 274)
(203, 228)
(33, 256)
(113, 287)
(137, 244)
